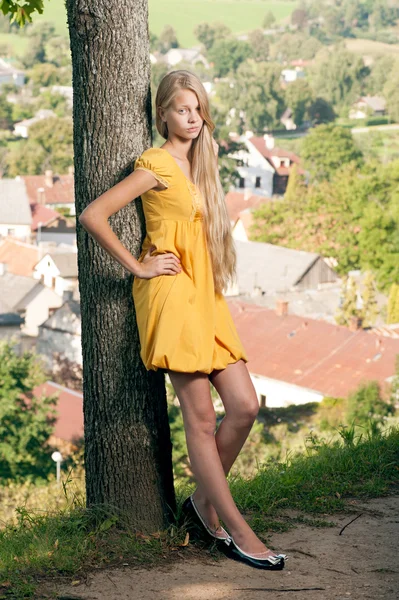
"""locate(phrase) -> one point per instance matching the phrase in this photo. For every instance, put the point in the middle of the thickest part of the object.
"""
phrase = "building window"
(262, 399)
(257, 182)
(242, 182)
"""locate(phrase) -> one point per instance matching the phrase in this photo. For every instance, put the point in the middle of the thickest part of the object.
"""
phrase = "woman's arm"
(94, 218)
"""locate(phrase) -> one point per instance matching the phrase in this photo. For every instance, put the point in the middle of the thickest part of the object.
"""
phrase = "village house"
(264, 168)
(26, 298)
(19, 257)
(50, 190)
(291, 75)
(263, 269)
(58, 271)
(21, 128)
(239, 202)
(9, 74)
(368, 106)
(15, 213)
(294, 360)
(191, 56)
(61, 333)
(48, 226)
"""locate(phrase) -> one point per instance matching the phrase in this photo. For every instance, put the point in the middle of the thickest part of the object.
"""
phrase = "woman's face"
(183, 115)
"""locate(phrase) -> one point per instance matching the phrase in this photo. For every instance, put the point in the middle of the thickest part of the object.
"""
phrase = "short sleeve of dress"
(152, 160)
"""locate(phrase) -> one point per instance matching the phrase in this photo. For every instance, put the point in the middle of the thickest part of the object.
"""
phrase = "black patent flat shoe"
(274, 562)
(198, 526)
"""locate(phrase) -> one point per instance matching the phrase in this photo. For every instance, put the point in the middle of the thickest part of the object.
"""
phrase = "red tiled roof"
(61, 192)
(236, 202)
(19, 257)
(69, 425)
(312, 354)
(41, 213)
(260, 145)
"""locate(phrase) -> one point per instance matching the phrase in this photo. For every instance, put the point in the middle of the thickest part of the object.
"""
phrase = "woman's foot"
(207, 512)
(249, 542)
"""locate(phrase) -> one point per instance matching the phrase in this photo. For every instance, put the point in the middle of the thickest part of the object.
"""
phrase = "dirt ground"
(361, 563)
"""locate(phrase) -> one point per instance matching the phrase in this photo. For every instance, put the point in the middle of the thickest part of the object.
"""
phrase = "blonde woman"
(184, 323)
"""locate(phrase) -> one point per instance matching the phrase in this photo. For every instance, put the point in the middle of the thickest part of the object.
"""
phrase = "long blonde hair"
(205, 174)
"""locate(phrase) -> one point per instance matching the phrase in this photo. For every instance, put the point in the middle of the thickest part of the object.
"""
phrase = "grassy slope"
(239, 15)
(71, 538)
(371, 48)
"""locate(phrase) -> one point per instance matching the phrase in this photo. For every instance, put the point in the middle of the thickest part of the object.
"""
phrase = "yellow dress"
(183, 324)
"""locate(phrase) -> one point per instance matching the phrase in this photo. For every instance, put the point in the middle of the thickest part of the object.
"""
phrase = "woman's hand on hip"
(161, 264)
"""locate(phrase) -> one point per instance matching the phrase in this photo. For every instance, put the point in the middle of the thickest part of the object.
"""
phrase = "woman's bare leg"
(193, 392)
(241, 404)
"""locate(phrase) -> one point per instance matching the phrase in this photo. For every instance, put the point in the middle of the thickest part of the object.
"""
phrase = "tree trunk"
(127, 437)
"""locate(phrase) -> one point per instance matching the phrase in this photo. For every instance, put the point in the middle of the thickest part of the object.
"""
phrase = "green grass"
(371, 48)
(75, 540)
(17, 43)
(239, 15)
(382, 145)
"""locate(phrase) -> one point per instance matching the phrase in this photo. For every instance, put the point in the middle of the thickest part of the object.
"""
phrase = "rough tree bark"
(127, 437)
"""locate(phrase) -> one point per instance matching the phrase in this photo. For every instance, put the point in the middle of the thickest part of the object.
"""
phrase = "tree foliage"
(326, 149)
(352, 217)
(209, 33)
(26, 422)
(227, 55)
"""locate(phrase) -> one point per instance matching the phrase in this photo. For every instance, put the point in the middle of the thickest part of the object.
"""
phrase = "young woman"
(184, 323)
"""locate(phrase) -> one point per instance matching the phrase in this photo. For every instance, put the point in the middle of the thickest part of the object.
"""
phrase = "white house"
(291, 75)
(189, 55)
(26, 299)
(264, 168)
(368, 106)
(15, 213)
(22, 127)
(58, 271)
(61, 333)
(9, 74)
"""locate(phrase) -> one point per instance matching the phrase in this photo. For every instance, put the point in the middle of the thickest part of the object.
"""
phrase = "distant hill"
(184, 15)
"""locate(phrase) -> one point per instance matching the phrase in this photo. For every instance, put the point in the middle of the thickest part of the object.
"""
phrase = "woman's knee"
(200, 420)
(245, 410)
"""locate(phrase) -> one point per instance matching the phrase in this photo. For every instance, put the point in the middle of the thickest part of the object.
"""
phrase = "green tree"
(209, 33)
(299, 96)
(43, 75)
(382, 70)
(5, 113)
(260, 45)
(327, 148)
(366, 404)
(393, 304)
(299, 17)
(391, 94)
(226, 55)
(26, 422)
(269, 20)
(296, 190)
(369, 312)
(320, 111)
(339, 77)
(167, 39)
(348, 307)
(256, 93)
(291, 46)
(49, 146)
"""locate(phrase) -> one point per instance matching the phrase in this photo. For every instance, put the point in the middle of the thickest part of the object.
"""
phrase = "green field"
(371, 48)
(239, 15)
